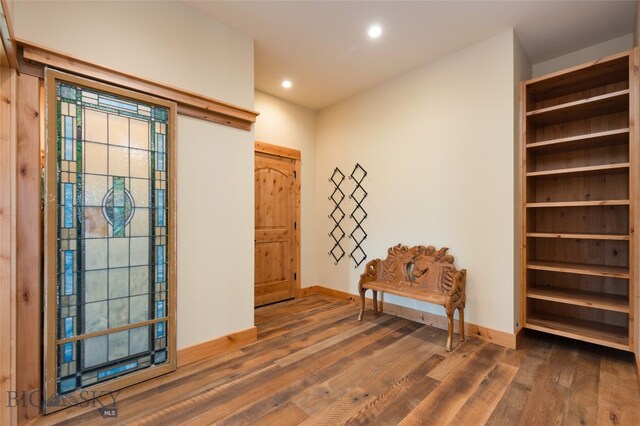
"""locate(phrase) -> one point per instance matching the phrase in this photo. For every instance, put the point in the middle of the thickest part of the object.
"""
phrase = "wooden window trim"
(33, 57)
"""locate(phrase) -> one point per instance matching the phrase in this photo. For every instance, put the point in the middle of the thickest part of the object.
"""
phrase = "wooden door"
(275, 228)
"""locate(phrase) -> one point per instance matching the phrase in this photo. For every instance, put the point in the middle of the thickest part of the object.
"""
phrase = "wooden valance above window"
(32, 58)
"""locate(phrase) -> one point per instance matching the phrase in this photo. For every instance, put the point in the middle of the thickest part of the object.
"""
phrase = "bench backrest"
(419, 267)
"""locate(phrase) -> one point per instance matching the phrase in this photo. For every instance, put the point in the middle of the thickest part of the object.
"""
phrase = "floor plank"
(315, 364)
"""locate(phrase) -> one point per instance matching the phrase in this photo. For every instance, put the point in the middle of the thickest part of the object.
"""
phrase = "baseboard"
(520, 333)
(217, 346)
(318, 289)
(509, 340)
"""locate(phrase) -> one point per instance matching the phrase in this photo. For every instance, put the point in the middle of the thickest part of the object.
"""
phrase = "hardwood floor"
(315, 364)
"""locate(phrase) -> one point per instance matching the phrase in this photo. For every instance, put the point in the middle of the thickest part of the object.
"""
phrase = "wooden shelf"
(588, 331)
(578, 170)
(590, 140)
(583, 171)
(584, 108)
(616, 237)
(579, 268)
(579, 203)
(609, 302)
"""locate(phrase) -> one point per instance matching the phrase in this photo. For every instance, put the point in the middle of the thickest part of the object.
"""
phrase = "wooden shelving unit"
(579, 194)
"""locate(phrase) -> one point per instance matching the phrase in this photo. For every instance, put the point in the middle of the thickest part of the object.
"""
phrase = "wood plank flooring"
(315, 364)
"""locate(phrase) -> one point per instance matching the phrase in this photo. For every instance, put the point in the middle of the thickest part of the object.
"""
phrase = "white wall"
(438, 144)
(282, 123)
(171, 43)
(581, 56)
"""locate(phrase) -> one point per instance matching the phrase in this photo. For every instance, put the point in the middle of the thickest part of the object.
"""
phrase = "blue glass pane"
(160, 332)
(68, 352)
(67, 385)
(160, 309)
(68, 92)
(68, 138)
(68, 327)
(160, 152)
(160, 357)
(160, 204)
(160, 263)
(68, 205)
(68, 272)
(116, 370)
(117, 104)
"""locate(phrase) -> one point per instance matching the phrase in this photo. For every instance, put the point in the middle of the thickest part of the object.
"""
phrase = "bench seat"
(412, 293)
(420, 273)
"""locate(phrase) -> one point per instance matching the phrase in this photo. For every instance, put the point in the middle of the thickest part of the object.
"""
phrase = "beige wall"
(286, 124)
(171, 43)
(581, 56)
(438, 144)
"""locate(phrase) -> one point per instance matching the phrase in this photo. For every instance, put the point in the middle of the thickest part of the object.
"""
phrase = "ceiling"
(323, 47)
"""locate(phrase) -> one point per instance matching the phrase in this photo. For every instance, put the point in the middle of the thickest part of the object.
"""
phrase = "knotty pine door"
(275, 228)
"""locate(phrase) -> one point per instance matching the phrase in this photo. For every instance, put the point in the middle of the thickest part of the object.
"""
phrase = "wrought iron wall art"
(337, 215)
(358, 215)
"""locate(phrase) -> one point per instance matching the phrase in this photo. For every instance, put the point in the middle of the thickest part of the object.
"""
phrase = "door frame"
(295, 155)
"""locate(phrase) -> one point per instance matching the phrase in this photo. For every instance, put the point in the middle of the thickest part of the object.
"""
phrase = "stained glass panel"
(112, 256)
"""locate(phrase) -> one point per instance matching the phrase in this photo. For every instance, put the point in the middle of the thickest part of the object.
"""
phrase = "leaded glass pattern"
(112, 231)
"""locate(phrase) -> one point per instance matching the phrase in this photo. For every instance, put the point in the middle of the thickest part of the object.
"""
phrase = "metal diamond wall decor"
(358, 214)
(337, 215)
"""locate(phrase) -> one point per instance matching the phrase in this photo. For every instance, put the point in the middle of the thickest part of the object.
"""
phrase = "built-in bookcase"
(579, 186)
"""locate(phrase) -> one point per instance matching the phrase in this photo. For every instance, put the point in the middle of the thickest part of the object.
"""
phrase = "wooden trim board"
(280, 151)
(189, 103)
(486, 334)
(8, 358)
(217, 346)
(28, 244)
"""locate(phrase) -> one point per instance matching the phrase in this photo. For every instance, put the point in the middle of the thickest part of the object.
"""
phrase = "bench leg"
(362, 292)
(375, 302)
(450, 337)
(461, 315)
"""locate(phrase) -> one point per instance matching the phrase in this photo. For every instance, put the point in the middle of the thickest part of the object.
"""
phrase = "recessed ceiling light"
(375, 31)
(287, 84)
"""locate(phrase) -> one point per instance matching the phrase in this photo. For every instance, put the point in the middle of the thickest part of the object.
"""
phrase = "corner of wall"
(636, 32)
(521, 71)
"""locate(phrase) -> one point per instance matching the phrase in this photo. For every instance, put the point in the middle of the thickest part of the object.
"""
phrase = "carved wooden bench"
(420, 273)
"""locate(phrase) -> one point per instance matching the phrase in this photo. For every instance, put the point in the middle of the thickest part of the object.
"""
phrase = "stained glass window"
(112, 234)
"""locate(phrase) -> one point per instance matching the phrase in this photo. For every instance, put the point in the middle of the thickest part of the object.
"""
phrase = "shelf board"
(616, 237)
(590, 140)
(584, 108)
(587, 331)
(580, 268)
(583, 171)
(609, 302)
(579, 203)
